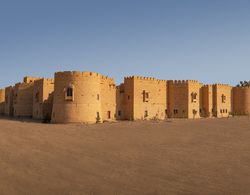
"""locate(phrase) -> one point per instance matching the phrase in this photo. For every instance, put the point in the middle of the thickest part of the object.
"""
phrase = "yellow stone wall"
(207, 101)
(220, 108)
(89, 93)
(2, 101)
(96, 98)
(142, 98)
(108, 98)
(23, 97)
(9, 101)
(43, 88)
(241, 100)
(180, 103)
(120, 102)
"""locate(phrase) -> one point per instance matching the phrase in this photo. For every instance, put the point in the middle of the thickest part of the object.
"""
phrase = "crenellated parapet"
(143, 78)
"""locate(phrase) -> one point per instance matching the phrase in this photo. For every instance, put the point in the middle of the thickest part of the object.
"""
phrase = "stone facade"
(42, 98)
(23, 97)
(88, 97)
(84, 97)
(184, 99)
(222, 100)
(241, 100)
(2, 101)
(206, 109)
(142, 98)
(9, 110)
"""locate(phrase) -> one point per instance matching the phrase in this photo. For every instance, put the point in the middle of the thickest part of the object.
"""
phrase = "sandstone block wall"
(2, 101)
(241, 101)
(108, 98)
(87, 104)
(207, 101)
(88, 97)
(144, 98)
(184, 99)
(222, 100)
(9, 109)
(23, 97)
(43, 88)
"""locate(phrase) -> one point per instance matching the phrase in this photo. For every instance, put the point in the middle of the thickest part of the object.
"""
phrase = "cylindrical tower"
(241, 100)
(77, 98)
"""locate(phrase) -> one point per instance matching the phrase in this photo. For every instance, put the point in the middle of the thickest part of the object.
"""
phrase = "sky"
(205, 40)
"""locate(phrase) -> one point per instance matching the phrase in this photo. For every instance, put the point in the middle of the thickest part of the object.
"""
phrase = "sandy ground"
(207, 156)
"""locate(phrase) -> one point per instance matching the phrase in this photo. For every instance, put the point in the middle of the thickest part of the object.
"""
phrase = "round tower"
(77, 98)
(241, 100)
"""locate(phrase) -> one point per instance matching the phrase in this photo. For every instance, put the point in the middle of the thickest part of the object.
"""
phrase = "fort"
(89, 97)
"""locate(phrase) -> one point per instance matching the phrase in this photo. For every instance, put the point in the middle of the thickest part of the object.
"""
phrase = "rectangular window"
(223, 98)
(193, 97)
(69, 94)
(119, 113)
(109, 114)
(145, 96)
(98, 97)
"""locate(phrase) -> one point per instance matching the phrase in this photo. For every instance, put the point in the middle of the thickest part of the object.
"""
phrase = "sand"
(207, 156)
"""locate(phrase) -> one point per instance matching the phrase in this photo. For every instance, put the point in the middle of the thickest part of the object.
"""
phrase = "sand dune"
(207, 156)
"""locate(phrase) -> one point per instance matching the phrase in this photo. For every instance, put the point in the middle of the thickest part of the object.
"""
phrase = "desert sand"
(207, 156)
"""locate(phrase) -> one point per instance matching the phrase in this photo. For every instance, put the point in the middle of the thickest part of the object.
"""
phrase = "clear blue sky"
(179, 39)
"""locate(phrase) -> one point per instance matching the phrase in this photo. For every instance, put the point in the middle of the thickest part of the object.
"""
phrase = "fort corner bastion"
(83, 97)
(89, 97)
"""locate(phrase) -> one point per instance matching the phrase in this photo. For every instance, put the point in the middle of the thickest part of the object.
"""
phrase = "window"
(145, 96)
(223, 98)
(98, 118)
(119, 113)
(98, 97)
(175, 111)
(146, 113)
(109, 114)
(128, 97)
(69, 94)
(193, 97)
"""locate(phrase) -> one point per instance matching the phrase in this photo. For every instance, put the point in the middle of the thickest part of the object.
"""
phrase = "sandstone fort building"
(89, 97)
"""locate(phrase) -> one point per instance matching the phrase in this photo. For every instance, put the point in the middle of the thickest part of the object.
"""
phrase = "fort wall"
(23, 97)
(108, 98)
(222, 100)
(183, 98)
(9, 110)
(78, 96)
(2, 101)
(43, 88)
(241, 100)
(206, 101)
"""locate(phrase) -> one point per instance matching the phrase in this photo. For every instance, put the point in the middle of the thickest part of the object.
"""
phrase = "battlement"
(241, 87)
(83, 74)
(28, 79)
(208, 85)
(183, 82)
(221, 85)
(143, 78)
